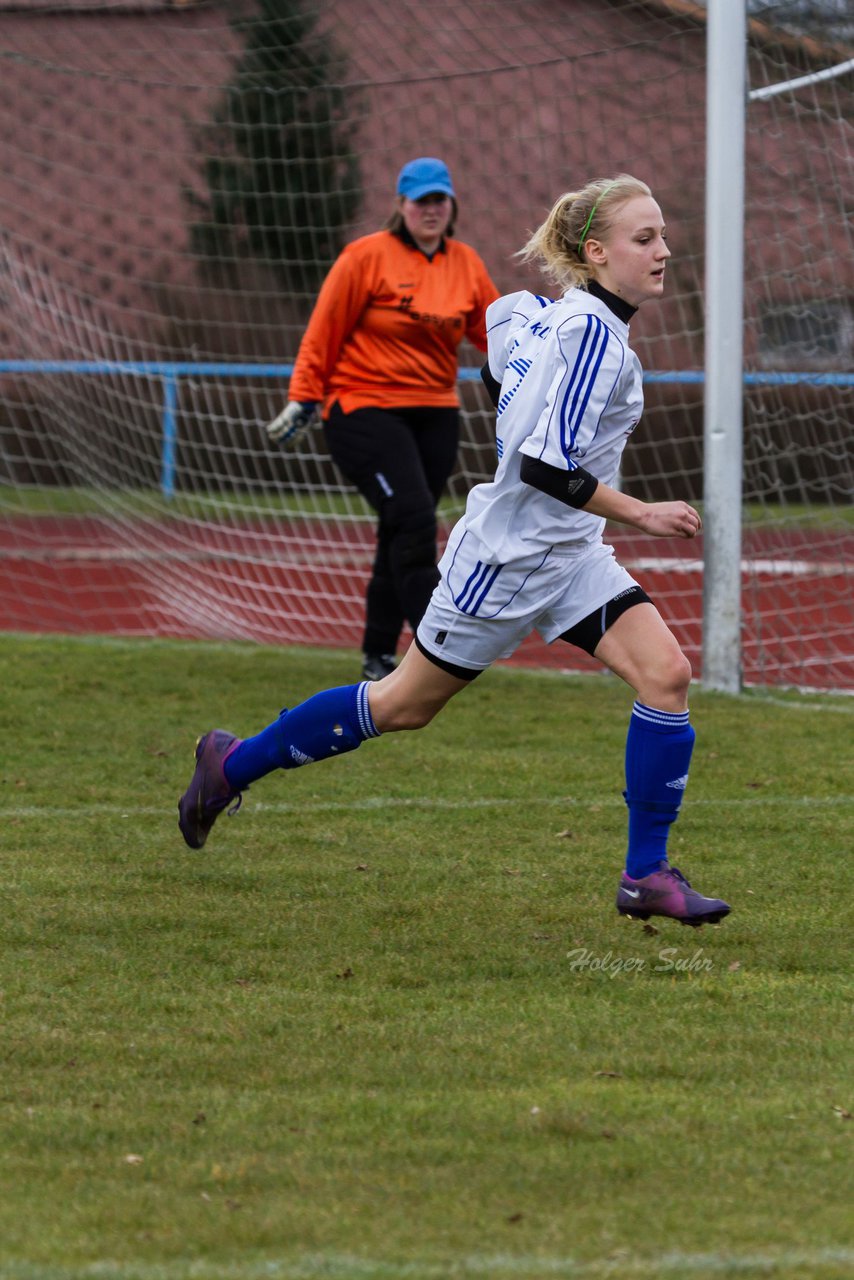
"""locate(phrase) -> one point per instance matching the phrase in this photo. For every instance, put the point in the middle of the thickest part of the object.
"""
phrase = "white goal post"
(726, 82)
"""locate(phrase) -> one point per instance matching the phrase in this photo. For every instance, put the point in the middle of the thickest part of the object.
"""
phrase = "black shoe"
(209, 792)
(375, 666)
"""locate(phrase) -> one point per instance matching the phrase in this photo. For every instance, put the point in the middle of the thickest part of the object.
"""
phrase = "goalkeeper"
(379, 356)
(528, 554)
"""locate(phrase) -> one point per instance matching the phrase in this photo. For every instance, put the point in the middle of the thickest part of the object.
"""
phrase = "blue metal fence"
(170, 373)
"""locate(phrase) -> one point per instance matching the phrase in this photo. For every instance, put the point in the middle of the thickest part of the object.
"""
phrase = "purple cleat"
(209, 792)
(666, 892)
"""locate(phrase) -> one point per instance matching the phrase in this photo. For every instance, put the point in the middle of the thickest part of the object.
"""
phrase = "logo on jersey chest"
(427, 317)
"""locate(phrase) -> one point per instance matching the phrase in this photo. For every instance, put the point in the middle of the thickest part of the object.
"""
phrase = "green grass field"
(388, 1023)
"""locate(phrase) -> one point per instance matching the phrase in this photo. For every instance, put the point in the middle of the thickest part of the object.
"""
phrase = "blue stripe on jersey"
(582, 380)
(573, 378)
(544, 302)
(477, 587)
(587, 381)
(471, 585)
(487, 588)
(499, 447)
(598, 355)
(520, 365)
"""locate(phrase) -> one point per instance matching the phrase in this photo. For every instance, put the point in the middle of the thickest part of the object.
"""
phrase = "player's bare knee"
(677, 674)
(667, 685)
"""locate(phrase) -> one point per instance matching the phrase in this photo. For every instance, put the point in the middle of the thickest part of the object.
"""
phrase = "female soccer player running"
(528, 553)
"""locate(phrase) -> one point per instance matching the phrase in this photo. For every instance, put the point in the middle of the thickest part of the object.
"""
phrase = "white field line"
(375, 804)
(346, 1267)
(772, 701)
(350, 557)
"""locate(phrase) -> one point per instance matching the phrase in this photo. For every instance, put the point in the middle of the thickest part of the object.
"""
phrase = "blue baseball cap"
(423, 177)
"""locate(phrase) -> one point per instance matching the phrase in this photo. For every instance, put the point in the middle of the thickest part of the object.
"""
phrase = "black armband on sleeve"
(575, 488)
(492, 386)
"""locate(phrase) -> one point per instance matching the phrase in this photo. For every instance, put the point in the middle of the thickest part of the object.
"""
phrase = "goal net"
(178, 180)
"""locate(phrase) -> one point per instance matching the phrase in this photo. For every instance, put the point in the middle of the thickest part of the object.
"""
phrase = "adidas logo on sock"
(679, 784)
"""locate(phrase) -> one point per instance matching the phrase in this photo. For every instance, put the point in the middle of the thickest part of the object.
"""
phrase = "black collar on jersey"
(402, 233)
(619, 306)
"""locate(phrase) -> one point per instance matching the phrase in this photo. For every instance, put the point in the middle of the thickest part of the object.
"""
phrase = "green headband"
(592, 215)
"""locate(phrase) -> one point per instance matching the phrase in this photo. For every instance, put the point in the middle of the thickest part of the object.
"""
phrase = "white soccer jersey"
(571, 394)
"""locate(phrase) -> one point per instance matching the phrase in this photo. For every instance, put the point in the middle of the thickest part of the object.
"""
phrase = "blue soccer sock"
(658, 754)
(328, 724)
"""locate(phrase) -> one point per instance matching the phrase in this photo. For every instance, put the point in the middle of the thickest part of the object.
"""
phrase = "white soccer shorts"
(480, 612)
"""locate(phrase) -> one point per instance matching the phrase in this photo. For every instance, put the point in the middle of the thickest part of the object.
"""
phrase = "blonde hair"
(575, 217)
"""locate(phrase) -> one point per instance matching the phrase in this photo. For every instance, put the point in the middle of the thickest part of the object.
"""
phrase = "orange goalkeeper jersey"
(387, 324)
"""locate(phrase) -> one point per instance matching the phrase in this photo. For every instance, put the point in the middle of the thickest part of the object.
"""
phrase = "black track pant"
(400, 461)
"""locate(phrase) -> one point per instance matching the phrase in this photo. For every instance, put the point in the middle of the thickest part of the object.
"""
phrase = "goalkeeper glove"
(291, 424)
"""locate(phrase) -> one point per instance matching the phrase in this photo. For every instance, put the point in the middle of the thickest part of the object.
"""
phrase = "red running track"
(301, 582)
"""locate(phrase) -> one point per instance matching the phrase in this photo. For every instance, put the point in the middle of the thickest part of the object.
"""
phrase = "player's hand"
(671, 520)
(292, 423)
